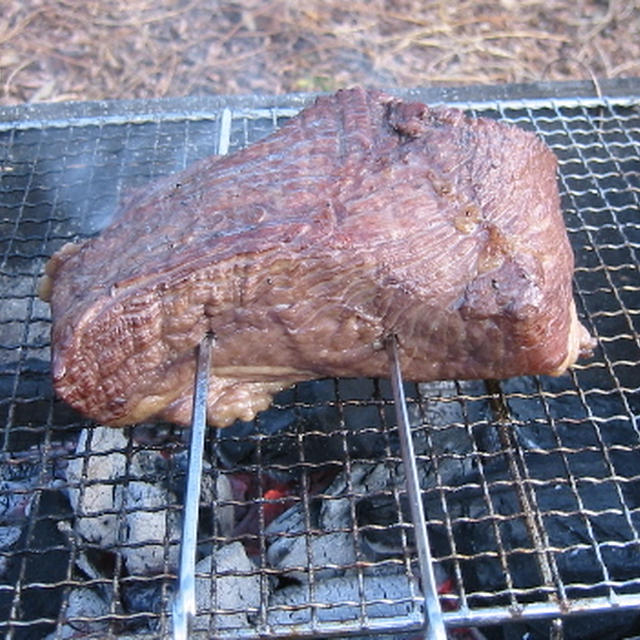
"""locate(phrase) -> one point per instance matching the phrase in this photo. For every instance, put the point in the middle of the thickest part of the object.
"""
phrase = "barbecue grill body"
(530, 486)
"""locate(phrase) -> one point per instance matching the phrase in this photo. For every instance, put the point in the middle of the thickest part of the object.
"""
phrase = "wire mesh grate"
(531, 486)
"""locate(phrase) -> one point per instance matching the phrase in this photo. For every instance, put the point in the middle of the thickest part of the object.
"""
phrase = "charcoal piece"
(143, 597)
(361, 218)
(386, 594)
(234, 594)
(83, 605)
(147, 525)
(120, 514)
(331, 547)
(92, 483)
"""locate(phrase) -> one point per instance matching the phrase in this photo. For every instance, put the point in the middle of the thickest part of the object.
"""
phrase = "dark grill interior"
(531, 486)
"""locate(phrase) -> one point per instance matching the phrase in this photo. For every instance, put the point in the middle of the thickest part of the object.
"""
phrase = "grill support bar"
(526, 497)
(435, 629)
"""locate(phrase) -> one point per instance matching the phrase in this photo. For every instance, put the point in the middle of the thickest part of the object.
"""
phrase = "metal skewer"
(184, 604)
(435, 629)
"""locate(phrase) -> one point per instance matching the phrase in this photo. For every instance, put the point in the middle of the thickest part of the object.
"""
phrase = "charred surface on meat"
(362, 217)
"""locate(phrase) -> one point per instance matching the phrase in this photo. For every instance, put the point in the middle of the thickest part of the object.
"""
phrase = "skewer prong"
(435, 629)
(184, 604)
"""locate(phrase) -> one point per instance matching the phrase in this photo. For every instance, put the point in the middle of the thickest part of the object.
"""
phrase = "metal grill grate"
(531, 486)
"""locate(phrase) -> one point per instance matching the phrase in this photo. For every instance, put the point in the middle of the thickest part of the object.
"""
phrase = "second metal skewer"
(435, 629)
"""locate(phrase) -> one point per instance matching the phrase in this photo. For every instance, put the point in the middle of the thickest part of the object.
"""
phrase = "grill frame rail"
(63, 168)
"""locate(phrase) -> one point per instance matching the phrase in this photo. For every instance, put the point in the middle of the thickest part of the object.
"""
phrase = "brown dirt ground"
(53, 50)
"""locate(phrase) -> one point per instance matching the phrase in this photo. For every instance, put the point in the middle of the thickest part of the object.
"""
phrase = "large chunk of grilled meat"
(362, 217)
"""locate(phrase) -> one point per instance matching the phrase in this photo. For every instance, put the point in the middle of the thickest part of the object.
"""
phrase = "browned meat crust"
(362, 217)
